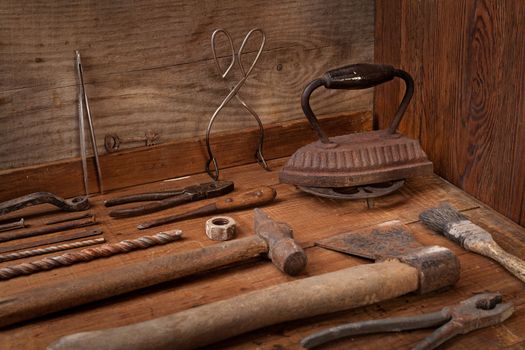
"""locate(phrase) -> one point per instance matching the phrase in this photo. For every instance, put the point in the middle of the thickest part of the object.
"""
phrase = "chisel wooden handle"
(207, 324)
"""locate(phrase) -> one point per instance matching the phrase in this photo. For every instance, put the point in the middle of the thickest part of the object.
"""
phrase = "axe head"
(389, 239)
(438, 267)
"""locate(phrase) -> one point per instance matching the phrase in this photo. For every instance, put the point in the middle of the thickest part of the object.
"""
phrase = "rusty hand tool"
(112, 141)
(62, 238)
(234, 91)
(13, 225)
(408, 267)
(244, 200)
(169, 199)
(458, 228)
(89, 254)
(51, 249)
(273, 239)
(8, 236)
(74, 204)
(480, 311)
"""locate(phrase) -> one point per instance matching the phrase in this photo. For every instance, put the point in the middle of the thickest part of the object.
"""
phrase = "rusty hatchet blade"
(388, 239)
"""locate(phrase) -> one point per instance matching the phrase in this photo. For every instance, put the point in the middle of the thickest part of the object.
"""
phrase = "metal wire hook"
(234, 92)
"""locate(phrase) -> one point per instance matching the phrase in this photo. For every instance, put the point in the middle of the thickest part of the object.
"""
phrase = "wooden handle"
(491, 249)
(207, 324)
(81, 290)
(248, 199)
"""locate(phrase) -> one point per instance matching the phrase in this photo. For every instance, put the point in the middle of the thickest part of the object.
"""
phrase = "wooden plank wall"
(468, 60)
(148, 65)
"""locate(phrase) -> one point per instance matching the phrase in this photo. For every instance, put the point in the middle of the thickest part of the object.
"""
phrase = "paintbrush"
(458, 228)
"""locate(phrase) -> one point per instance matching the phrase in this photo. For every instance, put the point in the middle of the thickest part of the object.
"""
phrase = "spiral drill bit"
(51, 249)
(89, 254)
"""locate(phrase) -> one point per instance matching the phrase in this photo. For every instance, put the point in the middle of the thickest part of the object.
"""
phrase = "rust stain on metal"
(330, 166)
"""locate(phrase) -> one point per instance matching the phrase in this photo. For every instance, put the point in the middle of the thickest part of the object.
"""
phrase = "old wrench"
(74, 204)
(169, 199)
(480, 311)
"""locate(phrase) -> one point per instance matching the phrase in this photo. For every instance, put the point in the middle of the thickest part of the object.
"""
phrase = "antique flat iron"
(361, 165)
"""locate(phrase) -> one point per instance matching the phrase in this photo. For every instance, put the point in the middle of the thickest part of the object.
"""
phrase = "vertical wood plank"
(468, 108)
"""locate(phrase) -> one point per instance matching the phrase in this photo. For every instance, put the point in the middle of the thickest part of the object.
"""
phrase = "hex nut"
(220, 228)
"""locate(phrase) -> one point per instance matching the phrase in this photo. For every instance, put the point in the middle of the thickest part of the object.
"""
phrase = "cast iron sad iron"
(361, 165)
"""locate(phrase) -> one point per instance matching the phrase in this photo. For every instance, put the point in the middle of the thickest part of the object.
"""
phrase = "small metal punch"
(234, 91)
(480, 311)
(83, 100)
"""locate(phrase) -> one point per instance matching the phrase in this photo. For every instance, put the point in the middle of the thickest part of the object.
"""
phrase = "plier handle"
(168, 199)
(480, 311)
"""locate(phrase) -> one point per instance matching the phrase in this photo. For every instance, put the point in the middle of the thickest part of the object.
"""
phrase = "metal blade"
(389, 239)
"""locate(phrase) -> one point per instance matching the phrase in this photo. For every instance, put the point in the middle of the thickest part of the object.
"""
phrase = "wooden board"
(172, 159)
(148, 66)
(311, 218)
(468, 108)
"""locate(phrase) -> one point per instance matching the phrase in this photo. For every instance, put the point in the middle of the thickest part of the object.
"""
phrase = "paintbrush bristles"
(439, 218)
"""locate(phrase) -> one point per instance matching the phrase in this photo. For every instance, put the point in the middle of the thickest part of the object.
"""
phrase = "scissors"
(235, 58)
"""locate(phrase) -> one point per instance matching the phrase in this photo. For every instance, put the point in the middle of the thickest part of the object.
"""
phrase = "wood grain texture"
(172, 159)
(311, 218)
(469, 106)
(148, 65)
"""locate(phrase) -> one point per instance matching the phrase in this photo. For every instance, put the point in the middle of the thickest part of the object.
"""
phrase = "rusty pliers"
(480, 311)
(168, 199)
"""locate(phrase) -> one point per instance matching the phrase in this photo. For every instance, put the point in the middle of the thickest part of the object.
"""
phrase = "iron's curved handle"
(354, 77)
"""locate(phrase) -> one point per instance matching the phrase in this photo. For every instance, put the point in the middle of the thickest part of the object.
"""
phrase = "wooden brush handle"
(491, 249)
(210, 323)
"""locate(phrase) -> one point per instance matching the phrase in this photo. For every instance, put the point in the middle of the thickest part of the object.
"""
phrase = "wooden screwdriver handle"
(207, 324)
(249, 199)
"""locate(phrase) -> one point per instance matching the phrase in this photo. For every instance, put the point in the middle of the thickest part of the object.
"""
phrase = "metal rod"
(51, 240)
(81, 126)
(13, 225)
(90, 122)
(45, 230)
(50, 249)
(89, 254)
(70, 218)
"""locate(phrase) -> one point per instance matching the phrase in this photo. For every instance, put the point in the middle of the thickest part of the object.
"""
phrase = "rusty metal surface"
(62, 238)
(169, 199)
(89, 254)
(74, 204)
(9, 236)
(244, 200)
(51, 249)
(389, 239)
(480, 311)
(437, 267)
(357, 159)
(112, 142)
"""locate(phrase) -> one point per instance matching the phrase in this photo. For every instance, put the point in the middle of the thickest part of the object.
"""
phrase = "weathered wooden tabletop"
(311, 218)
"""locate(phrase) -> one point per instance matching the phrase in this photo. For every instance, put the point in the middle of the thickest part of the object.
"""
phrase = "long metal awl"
(83, 103)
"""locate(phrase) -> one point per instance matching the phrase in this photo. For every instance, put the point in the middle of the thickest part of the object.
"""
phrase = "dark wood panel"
(469, 104)
(173, 159)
